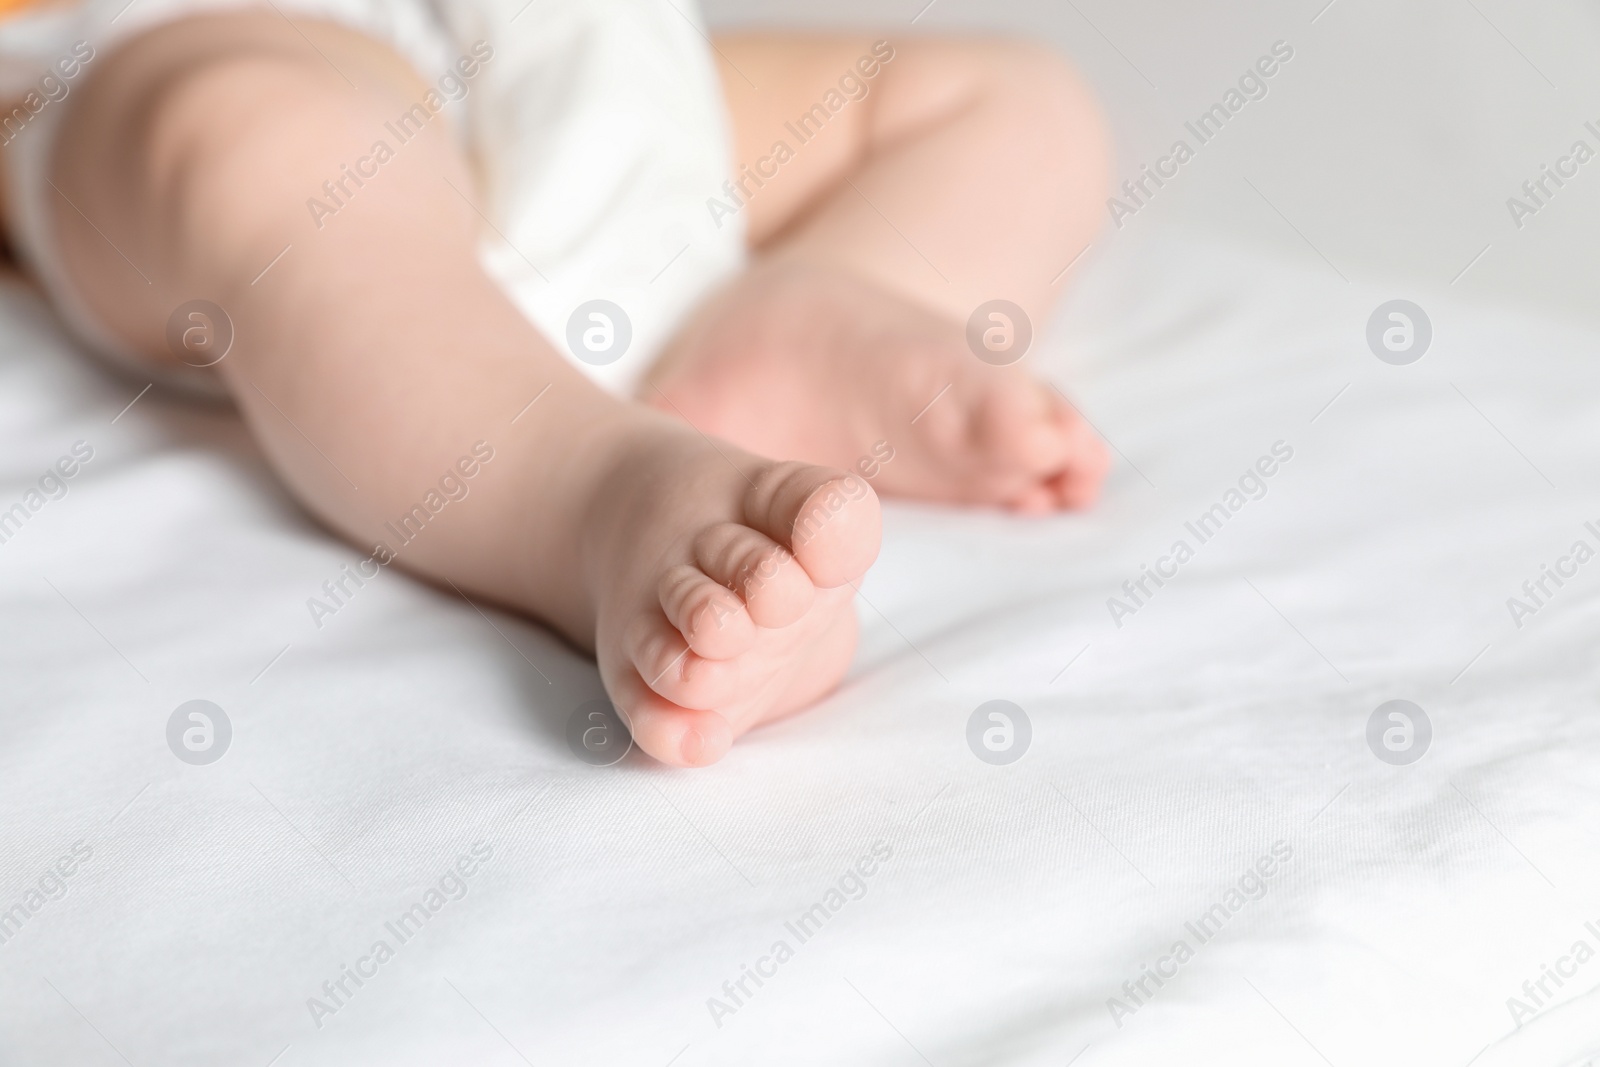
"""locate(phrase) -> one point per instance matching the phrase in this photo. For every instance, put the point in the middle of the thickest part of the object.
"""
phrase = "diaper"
(596, 127)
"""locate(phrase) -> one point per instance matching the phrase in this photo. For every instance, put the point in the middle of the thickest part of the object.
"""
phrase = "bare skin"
(966, 171)
(713, 586)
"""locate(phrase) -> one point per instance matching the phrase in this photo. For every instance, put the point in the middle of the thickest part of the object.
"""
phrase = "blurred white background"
(1391, 141)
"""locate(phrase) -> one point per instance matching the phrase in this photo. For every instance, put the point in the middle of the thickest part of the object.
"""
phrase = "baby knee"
(1042, 81)
(1041, 92)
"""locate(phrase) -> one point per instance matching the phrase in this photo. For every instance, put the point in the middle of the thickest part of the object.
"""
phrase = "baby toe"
(678, 736)
(709, 615)
(672, 669)
(830, 521)
(1079, 484)
(774, 588)
(1015, 427)
(1036, 499)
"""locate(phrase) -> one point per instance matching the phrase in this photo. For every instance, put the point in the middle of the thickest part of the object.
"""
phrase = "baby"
(201, 185)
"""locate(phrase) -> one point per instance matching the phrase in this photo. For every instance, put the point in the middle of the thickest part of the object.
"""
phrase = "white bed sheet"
(1226, 715)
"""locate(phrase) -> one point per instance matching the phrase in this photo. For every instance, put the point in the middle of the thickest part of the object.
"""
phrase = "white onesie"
(596, 127)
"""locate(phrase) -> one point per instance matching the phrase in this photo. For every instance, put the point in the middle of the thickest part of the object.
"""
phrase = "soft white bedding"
(1006, 904)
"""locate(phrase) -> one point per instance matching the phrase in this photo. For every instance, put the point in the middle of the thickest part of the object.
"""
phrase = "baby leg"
(963, 172)
(371, 352)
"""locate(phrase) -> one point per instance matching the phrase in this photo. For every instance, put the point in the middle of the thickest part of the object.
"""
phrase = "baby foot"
(722, 587)
(793, 360)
